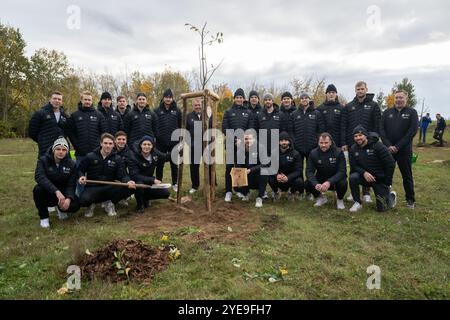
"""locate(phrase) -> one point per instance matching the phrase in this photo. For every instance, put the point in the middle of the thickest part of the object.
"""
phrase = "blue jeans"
(424, 133)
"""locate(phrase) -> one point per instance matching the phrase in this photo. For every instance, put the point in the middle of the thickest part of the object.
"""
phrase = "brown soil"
(143, 261)
(228, 222)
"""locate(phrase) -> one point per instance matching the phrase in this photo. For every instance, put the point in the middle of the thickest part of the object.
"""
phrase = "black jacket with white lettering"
(44, 129)
(326, 166)
(112, 168)
(398, 128)
(84, 128)
(335, 120)
(290, 163)
(366, 113)
(53, 178)
(374, 158)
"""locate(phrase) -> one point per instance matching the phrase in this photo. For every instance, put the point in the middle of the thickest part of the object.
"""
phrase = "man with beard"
(287, 103)
(334, 116)
(399, 125)
(327, 170)
(169, 120)
(253, 106)
(372, 165)
(122, 107)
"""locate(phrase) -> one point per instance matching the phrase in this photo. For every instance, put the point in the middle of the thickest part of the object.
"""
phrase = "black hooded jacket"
(44, 129)
(142, 170)
(85, 126)
(398, 128)
(113, 119)
(53, 178)
(138, 123)
(366, 113)
(334, 117)
(374, 158)
(169, 119)
(112, 168)
(326, 166)
(305, 128)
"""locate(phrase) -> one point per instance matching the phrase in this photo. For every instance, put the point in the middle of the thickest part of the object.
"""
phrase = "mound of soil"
(143, 261)
(228, 222)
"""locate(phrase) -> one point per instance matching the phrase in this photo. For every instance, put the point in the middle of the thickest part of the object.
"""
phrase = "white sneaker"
(246, 197)
(110, 209)
(192, 191)
(340, 204)
(350, 197)
(175, 187)
(321, 200)
(239, 195)
(90, 211)
(51, 209)
(367, 199)
(103, 204)
(228, 197)
(310, 197)
(356, 207)
(61, 215)
(265, 196)
(258, 203)
(45, 223)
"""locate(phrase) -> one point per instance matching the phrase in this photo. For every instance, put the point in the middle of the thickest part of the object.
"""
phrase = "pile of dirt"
(228, 222)
(112, 262)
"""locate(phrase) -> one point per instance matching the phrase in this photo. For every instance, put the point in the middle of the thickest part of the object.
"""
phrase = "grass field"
(326, 252)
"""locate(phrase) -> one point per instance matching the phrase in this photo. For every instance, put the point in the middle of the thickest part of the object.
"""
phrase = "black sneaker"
(410, 204)
(140, 209)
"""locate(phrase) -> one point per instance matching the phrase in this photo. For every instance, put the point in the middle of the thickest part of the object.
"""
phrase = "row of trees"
(26, 83)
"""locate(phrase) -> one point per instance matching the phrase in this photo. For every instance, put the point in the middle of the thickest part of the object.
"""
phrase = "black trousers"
(143, 195)
(160, 165)
(255, 181)
(98, 194)
(195, 169)
(44, 199)
(296, 185)
(304, 158)
(381, 190)
(340, 187)
(439, 136)
(404, 164)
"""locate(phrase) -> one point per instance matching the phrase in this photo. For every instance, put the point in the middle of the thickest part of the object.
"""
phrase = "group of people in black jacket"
(132, 144)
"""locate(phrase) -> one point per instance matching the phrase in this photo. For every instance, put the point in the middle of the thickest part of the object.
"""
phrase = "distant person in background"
(48, 123)
(439, 131)
(426, 120)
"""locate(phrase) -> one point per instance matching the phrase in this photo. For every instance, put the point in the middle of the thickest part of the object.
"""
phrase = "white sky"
(265, 42)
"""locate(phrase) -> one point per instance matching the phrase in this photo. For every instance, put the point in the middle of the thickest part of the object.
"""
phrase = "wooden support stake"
(206, 171)
(213, 152)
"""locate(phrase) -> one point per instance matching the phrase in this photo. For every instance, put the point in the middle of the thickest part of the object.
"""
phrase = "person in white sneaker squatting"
(56, 177)
(372, 165)
(327, 170)
(105, 165)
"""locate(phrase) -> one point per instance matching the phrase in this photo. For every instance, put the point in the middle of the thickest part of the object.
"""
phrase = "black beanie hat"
(253, 93)
(286, 94)
(141, 94)
(284, 136)
(331, 87)
(360, 129)
(106, 95)
(239, 92)
(168, 93)
(147, 138)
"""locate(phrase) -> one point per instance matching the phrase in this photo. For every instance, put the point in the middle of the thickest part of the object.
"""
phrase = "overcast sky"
(265, 42)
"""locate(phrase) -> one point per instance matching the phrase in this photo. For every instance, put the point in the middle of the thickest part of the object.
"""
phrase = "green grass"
(325, 251)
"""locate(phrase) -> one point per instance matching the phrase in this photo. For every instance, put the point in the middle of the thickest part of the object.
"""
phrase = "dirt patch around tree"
(229, 222)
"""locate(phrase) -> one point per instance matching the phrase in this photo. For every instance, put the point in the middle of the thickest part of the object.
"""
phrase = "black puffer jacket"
(140, 123)
(169, 119)
(113, 119)
(335, 120)
(374, 158)
(290, 163)
(236, 117)
(44, 129)
(254, 112)
(366, 113)
(126, 154)
(398, 128)
(142, 170)
(326, 166)
(53, 178)
(127, 110)
(84, 129)
(94, 167)
(305, 128)
(270, 121)
(289, 111)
